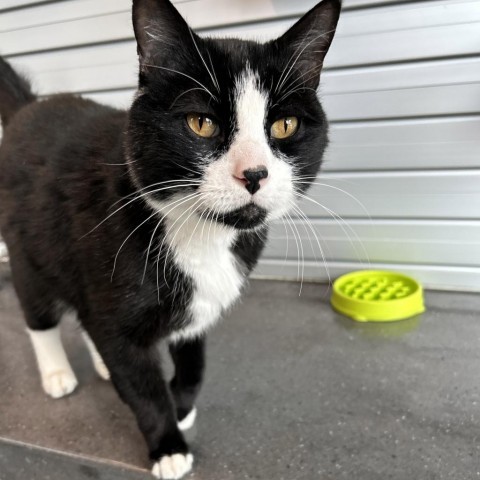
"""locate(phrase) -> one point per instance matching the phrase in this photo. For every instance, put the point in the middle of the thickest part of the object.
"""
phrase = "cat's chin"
(247, 217)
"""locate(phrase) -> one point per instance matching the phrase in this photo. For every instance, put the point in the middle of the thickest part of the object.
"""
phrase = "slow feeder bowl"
(377, 296)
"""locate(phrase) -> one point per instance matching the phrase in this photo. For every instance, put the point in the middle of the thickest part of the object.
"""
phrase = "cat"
(147, 223)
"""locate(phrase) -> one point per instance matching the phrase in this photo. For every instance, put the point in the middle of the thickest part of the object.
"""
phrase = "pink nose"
(251, 177)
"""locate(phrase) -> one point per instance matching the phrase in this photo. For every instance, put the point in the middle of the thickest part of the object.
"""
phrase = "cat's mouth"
(247, 217)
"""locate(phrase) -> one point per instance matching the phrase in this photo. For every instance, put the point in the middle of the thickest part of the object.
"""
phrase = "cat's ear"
(309, 40)
(158, 28)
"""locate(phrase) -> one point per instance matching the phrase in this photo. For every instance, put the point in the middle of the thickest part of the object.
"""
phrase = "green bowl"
(377, 296)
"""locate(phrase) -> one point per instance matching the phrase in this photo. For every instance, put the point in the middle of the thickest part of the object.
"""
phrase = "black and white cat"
(148, 222)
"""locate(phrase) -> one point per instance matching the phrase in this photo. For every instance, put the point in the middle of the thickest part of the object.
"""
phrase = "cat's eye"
(284, 127)
(203, 125)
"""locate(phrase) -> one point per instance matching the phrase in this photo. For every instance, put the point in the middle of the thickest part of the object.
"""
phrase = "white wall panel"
(445, 194)
(398, 241)
(7, 4)
(405, 144)
(442, 277)
(382, 35)
(200, 14)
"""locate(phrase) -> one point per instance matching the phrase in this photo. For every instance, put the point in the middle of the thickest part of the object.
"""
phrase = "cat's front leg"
(189, 359)
(137, 376)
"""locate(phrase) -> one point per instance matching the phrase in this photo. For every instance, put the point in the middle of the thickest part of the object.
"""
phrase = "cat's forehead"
(236, 57)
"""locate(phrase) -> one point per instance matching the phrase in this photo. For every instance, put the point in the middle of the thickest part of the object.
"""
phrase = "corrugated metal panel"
(431, 276)
(425, 88)
(10, 4)
(383, 241)
(401, 86)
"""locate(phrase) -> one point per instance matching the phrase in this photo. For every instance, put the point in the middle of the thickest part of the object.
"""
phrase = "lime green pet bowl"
(377, 296)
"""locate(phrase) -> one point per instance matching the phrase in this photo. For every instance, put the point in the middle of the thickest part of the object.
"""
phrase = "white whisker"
(192, 210)
(176, 204)
(339, 220)
(301, 251)
(203, 60)
(133, 200)
(185, 75)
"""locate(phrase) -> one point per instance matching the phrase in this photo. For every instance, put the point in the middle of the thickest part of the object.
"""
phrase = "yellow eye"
(202, 125)
(284, 127)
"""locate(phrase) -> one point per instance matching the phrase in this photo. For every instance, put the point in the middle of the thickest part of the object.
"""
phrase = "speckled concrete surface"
(294, 391)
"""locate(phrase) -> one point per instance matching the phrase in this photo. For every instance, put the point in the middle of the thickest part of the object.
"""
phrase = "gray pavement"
(294, 391)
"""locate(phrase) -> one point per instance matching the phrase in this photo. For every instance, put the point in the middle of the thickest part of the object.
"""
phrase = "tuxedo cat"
(148, 222)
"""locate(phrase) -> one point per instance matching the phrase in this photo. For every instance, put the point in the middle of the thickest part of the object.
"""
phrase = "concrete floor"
(294, 391)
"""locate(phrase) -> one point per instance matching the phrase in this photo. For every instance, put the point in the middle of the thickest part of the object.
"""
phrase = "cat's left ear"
(159, 29)
(309, 40)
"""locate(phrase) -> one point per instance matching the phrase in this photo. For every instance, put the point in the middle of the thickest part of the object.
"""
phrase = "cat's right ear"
(158, 27)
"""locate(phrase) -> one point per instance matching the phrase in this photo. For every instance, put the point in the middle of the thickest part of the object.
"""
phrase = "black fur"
(69, 172)
(14, 92)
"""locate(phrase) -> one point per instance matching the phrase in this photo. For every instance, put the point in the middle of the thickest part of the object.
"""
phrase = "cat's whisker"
(213, 71)
(147, 253)
(287, 242)
(117, 164)
(196, 172)
(192, 210)
(175, 204)
(299, 89)
(215, 222)
(306, 36)
(300, 54)
(301, 251)
(340, 222)
(298, 86)
(203, 61)
(192, 233)
(304, 225)
(314, 232)
(139, 226)
(353, 197)
(170, 243)
(182, 94)
(316, 177)
(211, 221)
(205, 220)
(160, 249)
(129, 202)
(299, 80)
(191, 183)
(289, 223)
(183, 74)
(126, 240)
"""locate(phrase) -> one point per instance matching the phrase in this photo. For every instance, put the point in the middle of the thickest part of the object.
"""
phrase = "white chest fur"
(202, 250)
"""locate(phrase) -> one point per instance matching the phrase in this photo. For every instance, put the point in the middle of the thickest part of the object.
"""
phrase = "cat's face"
(227, 129)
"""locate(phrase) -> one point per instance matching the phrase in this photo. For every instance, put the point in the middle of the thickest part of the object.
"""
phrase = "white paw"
(188, 421)
(59, 383)
(173, 467)
(101, 369)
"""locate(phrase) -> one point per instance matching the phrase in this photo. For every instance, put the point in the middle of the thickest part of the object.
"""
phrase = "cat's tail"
(15, 92)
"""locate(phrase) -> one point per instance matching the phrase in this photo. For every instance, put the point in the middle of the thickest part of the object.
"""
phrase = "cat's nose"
(252, 178)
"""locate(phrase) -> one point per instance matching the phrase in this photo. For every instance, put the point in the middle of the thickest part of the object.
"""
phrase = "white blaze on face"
(250, 149)
(201, 248)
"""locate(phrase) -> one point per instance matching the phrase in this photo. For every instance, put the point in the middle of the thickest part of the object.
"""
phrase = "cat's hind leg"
(97, 360)
(43, 314)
